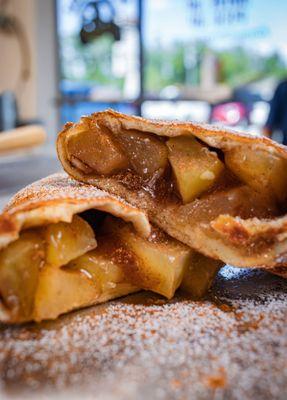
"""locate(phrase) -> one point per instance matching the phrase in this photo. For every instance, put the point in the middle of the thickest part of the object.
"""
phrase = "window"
(98, 52)
(205, 60)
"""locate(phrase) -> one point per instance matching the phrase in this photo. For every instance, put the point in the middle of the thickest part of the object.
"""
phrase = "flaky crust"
(240, 242)
(57, 198)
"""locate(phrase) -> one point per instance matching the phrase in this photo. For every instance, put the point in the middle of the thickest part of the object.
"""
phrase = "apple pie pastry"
(65, 245)
(220, 192)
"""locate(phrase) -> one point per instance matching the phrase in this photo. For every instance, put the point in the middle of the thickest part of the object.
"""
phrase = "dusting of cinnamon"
(217, 380)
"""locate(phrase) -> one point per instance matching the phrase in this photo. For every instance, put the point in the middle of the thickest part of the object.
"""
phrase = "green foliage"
(91, 62)
(237, 66)
(165, 66)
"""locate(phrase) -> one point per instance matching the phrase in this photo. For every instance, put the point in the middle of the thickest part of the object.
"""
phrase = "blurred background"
(217, 61)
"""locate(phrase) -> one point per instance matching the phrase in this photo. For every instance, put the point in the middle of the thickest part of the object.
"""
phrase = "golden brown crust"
(235, 239)
(215, 136)
(57, 198)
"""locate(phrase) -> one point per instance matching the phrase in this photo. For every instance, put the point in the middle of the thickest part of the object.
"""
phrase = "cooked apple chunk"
(97, 152)
(155, 264)
(26, 264)
(262, 171)
(195, 167)
(66, 241)
(20, 264)
(199, 275)
(90, 278)
(99, 265)
(102, 267)
(147, 154)
(60, 291)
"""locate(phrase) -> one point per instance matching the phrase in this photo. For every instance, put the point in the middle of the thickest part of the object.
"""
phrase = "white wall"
(37, 96)
(10, 65)
(46, 59)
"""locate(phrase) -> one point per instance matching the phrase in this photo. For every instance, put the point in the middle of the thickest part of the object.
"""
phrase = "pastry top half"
(67, 245)
(57, 199)
(221, 192)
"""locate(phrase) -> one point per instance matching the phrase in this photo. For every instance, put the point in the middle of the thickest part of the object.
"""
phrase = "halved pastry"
(219, 192)
(66, 245)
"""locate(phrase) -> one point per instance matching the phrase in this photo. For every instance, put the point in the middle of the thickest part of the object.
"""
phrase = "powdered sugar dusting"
(231, 346)
(56, 186)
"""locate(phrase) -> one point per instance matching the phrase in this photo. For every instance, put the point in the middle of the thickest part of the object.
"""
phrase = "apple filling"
(188, 167)
(33, 262)
(197, 277)
(97, 150)
(195, 167)
(56, 268)
(157, 264)
(264, 173)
